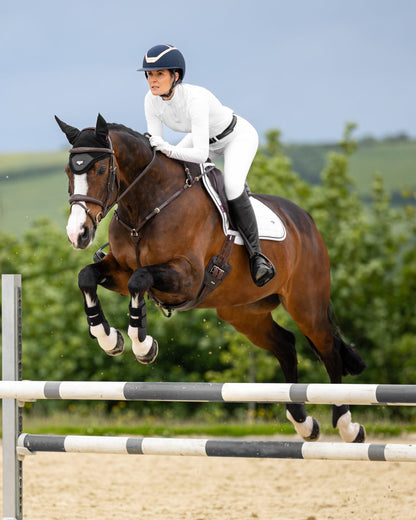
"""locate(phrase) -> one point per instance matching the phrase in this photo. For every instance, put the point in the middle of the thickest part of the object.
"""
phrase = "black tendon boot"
(243, 217)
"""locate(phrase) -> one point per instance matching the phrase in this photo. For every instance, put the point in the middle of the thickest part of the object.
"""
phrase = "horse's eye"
(101, 170)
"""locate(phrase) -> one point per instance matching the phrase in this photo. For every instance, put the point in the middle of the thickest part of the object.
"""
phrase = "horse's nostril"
(83, 238)
(85, 233)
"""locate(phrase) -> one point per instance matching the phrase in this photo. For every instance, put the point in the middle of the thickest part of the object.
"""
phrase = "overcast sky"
(303, 66)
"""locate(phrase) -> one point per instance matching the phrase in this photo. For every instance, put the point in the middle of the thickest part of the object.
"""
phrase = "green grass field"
(395, 161)
(26, 163)
(66, 423)
(32, 186)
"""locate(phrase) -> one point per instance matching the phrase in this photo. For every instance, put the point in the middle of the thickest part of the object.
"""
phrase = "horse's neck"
(132, 155)
(155, 184)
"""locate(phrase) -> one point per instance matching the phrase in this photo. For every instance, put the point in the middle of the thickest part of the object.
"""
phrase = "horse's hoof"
(360, 435)
(315, 433)
(118, 349)
(150, 356)
(308, 429)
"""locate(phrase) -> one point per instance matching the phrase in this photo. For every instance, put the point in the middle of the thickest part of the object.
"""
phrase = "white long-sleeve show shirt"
(193, 110)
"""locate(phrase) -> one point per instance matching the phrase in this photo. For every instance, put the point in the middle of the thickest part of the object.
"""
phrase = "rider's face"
(160, 81)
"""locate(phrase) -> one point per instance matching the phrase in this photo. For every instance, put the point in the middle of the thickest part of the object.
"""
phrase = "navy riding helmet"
(162, 57)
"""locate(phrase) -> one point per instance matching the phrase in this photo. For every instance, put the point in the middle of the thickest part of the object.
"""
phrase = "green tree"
(372, 247)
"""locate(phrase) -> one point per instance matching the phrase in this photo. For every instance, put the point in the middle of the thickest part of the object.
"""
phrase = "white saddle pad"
(270, 225)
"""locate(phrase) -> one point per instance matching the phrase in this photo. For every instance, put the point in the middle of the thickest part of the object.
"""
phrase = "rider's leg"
(242, 214)
(239, 151)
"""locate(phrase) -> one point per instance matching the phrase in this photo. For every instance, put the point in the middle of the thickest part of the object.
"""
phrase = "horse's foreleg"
(109, 338)
(175, 278)
(144, 347)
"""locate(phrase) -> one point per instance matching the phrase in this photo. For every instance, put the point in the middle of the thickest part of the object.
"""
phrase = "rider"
(213, 130)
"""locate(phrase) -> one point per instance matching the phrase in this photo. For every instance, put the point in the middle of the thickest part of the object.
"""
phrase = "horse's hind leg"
(338, 357)
(263, 331)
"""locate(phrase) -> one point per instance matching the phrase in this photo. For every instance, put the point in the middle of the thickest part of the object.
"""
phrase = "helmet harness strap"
(174, 83)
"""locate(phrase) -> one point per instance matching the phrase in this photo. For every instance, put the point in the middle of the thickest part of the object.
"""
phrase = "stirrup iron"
(267, 276)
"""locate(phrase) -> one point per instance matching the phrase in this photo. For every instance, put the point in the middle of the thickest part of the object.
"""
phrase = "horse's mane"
(125, 129)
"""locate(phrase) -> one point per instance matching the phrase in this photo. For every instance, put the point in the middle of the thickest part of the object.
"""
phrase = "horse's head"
(92, 180)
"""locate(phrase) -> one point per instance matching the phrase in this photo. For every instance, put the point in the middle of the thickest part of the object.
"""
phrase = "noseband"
(112, 180)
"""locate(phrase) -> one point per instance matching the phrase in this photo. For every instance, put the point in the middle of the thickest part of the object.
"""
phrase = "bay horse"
(164, 234)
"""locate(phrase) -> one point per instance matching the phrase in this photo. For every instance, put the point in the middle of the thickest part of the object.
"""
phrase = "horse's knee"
(140, 281)
(87, 278)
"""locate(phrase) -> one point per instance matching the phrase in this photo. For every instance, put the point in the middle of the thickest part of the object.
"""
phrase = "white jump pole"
(11, 413)
(29, 443)
(309, 393)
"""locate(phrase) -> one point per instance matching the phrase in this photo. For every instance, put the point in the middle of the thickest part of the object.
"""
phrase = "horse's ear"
(70, 131)
(101, 129)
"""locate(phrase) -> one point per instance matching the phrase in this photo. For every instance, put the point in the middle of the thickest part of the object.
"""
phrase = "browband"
(86, 149)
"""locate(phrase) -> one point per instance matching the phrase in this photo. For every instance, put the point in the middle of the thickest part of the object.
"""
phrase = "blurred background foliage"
(371, 244)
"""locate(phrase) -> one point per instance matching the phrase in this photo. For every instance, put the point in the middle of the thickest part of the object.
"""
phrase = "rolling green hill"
(34, 185)
(394, 159)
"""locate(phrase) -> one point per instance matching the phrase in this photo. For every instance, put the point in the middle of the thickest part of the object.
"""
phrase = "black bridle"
(80, 200)
(113, 180)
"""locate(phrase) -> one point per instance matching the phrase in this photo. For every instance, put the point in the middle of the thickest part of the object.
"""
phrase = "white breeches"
(238, 149)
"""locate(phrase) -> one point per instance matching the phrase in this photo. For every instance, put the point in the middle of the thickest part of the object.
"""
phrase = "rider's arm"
(195, 146)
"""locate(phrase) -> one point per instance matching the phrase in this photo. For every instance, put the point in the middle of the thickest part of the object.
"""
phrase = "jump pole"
(312, 393)
(30, 444)
(11, 413)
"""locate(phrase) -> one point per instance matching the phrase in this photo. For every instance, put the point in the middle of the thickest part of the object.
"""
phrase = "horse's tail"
(352, 361)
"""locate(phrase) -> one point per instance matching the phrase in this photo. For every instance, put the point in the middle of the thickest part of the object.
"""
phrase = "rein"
(134, 231)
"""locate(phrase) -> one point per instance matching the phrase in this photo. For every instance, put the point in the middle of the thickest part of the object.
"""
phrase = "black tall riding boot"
(243, 217)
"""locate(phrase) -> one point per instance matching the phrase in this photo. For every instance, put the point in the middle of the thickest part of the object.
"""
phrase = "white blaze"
(78, 216)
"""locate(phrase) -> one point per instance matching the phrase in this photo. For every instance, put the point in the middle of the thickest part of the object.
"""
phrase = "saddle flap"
(269, 223)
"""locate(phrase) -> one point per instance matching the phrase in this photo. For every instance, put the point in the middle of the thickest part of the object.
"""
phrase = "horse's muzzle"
(84, 238)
